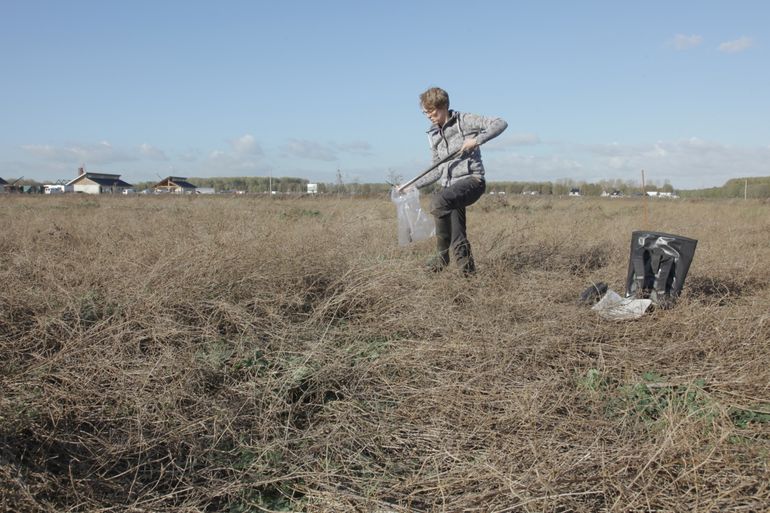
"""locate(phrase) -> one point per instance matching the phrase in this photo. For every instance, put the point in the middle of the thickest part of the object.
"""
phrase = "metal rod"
(431, 168)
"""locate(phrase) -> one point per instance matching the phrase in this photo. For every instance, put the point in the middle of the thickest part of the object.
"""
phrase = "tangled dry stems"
(238, 354)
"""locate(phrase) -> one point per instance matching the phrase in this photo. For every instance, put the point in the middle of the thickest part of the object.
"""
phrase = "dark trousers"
(448, 209)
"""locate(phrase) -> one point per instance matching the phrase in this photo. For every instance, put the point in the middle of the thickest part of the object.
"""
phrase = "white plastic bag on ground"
(414, 223)
(614, 307)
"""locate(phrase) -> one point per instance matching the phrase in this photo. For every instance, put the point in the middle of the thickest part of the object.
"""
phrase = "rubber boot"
(464, 258)
(443, 239)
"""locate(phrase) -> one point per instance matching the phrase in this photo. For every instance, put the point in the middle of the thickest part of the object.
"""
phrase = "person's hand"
(469, 144)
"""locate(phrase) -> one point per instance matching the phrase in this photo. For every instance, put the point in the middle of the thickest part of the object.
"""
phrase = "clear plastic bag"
(617, 308)
(414, 223)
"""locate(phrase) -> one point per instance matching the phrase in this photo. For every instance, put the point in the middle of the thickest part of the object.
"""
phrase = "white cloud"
(736, 45)
(683, 42)
(223, 163)
(355, 147)
(309, 150)
(696, 143)
(688, 163)
(512, 141)
(519, 167)
(100, 153)
(151, 152)
(325, 152)
(45, 151)
(245, 158)
(191, 155)
(657, 151)
(616, 162)
(247, 145)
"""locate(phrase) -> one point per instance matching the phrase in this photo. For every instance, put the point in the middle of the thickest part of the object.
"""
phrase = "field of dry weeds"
(241, 355)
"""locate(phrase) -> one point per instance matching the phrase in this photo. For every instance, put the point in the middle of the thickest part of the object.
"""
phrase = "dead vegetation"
(245, 355)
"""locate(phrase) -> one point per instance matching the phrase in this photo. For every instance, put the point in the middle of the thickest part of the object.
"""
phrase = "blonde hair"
(434, 98)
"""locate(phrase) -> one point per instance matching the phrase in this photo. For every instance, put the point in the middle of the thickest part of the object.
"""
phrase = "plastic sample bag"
(414, 223)
(617, 308)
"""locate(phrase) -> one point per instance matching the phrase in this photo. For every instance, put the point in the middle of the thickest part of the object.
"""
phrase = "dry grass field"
(222, 354)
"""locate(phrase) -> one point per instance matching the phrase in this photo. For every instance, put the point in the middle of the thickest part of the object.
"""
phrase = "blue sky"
(590, 90)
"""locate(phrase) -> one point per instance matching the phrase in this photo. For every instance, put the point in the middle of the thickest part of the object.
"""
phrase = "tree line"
(756, 187)
(291, 185)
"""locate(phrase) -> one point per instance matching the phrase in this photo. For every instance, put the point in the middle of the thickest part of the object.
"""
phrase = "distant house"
(97, 183)
(174, 185)
(574, 192)
(3, 183)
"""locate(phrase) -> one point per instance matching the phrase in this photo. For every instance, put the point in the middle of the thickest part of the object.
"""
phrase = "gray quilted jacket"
(449, 138)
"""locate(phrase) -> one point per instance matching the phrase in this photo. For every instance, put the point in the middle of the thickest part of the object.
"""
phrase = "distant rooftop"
(103, 179)
(175, 181)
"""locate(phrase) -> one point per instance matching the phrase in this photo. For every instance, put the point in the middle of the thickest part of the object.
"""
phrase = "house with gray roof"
(174, 185)
(97, 183)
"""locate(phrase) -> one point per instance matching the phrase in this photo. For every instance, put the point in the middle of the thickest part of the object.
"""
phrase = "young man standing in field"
(461, 179)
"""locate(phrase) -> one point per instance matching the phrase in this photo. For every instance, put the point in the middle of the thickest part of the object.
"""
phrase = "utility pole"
(644, 199)
(340, 183)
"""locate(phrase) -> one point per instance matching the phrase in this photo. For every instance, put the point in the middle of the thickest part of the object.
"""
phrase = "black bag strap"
(662, 274)
(639, 270)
